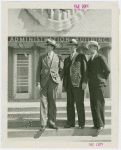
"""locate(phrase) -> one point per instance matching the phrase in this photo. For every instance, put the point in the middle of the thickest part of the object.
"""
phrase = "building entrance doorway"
(22, 75)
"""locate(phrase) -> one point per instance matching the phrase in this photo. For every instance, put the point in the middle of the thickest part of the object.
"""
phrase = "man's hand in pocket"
(39, 87)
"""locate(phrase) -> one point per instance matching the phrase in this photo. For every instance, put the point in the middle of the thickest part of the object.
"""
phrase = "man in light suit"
(49, 72)
(98, 72)
(74, 82)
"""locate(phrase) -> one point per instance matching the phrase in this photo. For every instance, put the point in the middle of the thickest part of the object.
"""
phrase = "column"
(68, 13)
(51, 14)
(57, 14)
(34, 69)
(106, 53)
(109, 63)
(64, 15)
(72, 11)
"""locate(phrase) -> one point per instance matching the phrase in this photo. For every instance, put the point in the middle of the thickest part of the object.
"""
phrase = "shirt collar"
(50, 54)
(93, 56)
(72, 55)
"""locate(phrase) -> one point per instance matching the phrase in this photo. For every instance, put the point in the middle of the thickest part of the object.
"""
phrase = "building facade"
(26, 42)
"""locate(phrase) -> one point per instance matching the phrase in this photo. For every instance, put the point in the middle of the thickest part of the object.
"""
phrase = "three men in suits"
(98, 72)
(49, 71)
(74, 82)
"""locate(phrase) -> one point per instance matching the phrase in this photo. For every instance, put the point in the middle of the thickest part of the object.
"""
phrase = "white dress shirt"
(92, 57)
(72, 55)
(50, 55)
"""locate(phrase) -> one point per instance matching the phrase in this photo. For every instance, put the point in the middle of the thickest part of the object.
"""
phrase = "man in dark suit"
(74, 82)
(49, 71)
(98, 72)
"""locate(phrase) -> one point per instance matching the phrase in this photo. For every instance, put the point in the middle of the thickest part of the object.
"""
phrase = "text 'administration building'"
(27, 37)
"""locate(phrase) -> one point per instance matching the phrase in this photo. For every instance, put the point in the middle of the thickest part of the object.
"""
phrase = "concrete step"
(18, 123)
(35, 133)
(23, 121)
(85, 99)
(60, 114)
(29, 109)
(37, 104)
(38, 100)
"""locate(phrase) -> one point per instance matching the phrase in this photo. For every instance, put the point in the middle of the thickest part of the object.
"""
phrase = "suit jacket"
(44, 69)
(98, 71)
(78, 70)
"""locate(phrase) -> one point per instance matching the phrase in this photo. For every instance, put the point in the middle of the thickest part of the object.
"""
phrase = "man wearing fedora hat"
(98, 72)
(74, 82)
(49, 72)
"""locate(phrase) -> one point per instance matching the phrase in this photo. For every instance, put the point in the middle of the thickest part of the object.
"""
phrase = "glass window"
(22, 73)
(22, 89)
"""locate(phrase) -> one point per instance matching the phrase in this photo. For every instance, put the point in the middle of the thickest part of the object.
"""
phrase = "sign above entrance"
(59, 39)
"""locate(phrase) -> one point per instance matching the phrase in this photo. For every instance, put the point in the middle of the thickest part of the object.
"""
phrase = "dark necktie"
(91, 58)
(71, 57)
(49, 60)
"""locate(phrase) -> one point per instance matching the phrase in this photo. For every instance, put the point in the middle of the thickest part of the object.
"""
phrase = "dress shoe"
(81, 127)
(99, 129)
(42, 128)
(52, 126)
(69, 126)
(94, 127)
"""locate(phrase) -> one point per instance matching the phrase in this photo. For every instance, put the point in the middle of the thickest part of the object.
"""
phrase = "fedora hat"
(51, 42)
(73, 42)
(93, 43)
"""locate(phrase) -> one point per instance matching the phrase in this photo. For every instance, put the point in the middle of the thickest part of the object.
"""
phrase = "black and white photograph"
(59, 74)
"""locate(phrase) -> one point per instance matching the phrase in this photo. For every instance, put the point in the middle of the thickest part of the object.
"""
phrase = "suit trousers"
(97, 103)
(75, 95)
(48, 98)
